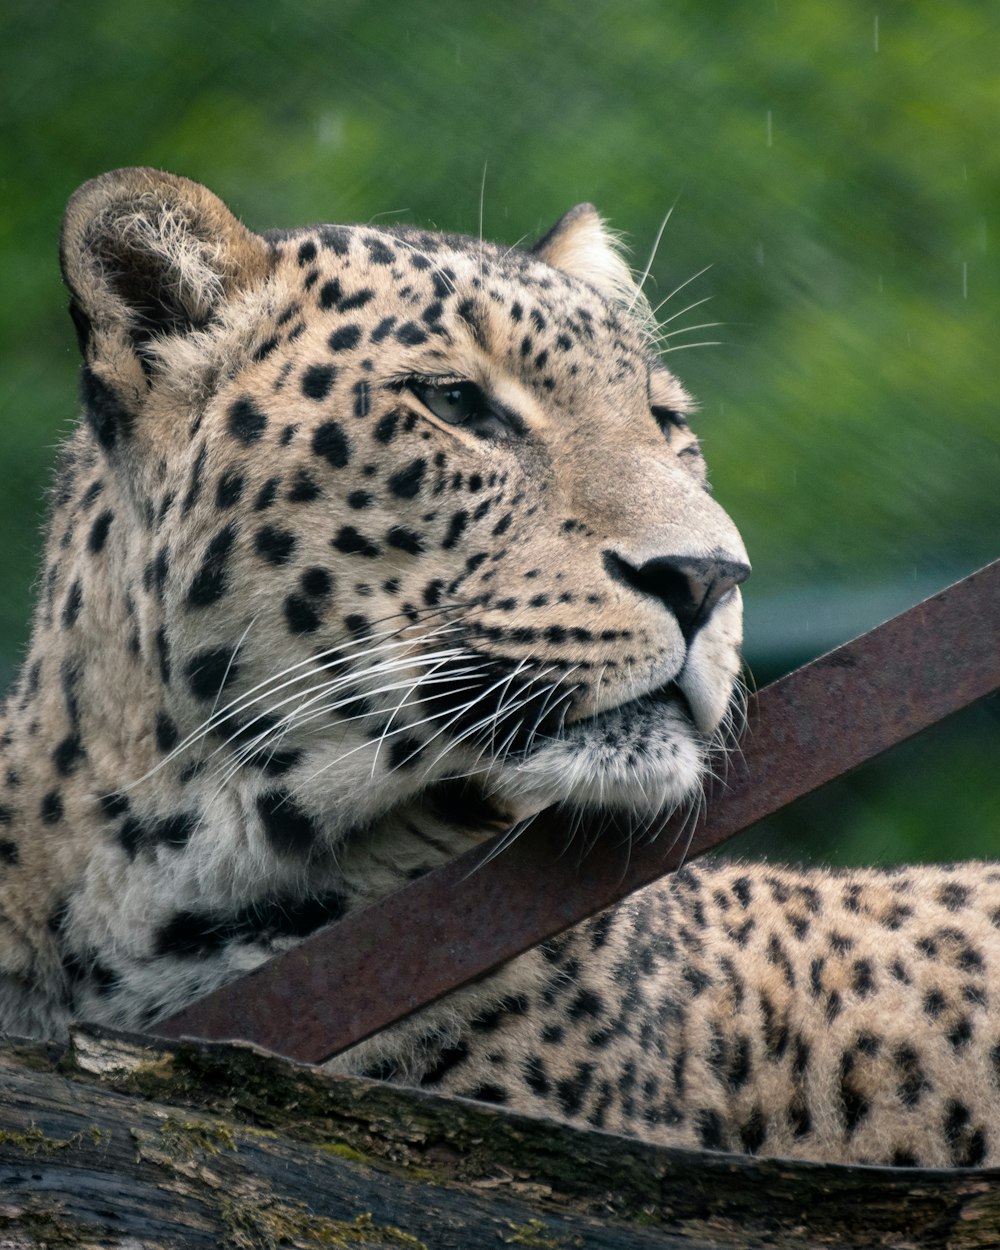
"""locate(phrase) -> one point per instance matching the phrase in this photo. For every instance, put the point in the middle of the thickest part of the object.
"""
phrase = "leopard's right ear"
(147, 256)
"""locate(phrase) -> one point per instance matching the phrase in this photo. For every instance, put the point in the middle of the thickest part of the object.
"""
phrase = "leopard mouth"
(667, 694)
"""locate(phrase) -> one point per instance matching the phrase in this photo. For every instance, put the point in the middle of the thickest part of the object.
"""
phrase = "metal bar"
(377, 966)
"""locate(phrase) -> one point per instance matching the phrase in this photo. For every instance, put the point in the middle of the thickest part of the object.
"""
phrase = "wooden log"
(112, 1142)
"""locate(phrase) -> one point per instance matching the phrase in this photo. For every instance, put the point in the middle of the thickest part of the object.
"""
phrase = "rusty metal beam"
(377, 966)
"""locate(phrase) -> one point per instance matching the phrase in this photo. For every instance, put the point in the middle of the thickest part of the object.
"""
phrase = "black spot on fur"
(209, 584)
(197, 934)
(855, 1106)
(229, 489)
(753, 1132)
(170, 831)
(106, 414)
(195, 482)
(317, 381)
(449, 1058)
(304, 488)
(330, 442)
(379, 252)
(912, 1083)
(288, 829)
(385, 430)
(68, 755)
(953, 896)
(266, 495)
(406, 483)
(535, 1076)
(301, 616)
(571, 1091)
(411, 334)
(209, 672)
(709, 1128)
(358, 300)
(383, 329)
(274, 545)
(351, 542)
(167, 735)
(488, 1093)
(967, 1145)
(163, 654)
(73, 604)
(587, 1005)
(99, 531)
(405, 540)
(336, 239)
(51, 810)
(114, 805)
(404, 752)
(316, 582)
(247, 422)
(456, 528)
(345, 338)
(862, 977)
(329, 294)
(934, 1003)
(359, 626)
(960, 1033)
(90, 494)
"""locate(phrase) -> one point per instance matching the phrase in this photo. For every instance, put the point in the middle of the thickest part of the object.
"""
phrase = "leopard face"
(442, 513)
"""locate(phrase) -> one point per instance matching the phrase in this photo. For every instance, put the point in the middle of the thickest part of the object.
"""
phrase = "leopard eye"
(464, 404)
(457, 403)
(668, 419)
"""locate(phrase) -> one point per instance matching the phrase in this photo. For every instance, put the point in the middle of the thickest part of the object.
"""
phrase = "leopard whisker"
(652, 256)
(680, 287)
(683, 347)
(276, 683)
(273, 735)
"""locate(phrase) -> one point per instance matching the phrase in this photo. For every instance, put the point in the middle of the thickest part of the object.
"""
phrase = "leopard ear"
(581, 245)
(147, 255)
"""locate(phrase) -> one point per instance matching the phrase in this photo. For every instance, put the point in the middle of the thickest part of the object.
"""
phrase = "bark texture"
(125, 1142)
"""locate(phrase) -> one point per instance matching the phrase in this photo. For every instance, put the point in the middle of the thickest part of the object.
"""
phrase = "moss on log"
(118, 1141)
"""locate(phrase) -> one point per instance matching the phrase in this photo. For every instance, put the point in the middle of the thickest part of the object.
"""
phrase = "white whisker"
(652, 256)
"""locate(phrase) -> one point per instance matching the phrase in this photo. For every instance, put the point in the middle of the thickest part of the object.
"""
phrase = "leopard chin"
(644, 757)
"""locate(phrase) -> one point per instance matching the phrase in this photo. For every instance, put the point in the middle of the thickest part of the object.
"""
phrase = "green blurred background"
(837, 165)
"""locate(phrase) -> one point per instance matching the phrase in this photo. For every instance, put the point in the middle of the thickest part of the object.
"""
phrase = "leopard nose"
(690, 586)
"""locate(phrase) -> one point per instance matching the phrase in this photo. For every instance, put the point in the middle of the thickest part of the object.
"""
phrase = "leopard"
(371, 543)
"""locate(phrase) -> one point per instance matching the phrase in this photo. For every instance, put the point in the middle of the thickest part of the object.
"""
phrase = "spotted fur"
(372, 542)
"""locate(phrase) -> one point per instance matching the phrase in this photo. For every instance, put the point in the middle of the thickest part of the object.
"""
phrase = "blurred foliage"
(836, 165)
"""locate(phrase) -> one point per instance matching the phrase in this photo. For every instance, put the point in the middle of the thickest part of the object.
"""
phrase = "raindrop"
(875, 31)
(770, 132)
(759, 252)
(965, 279)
